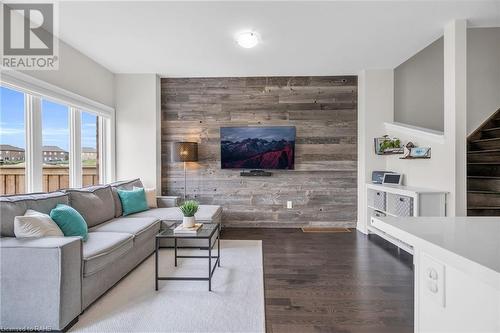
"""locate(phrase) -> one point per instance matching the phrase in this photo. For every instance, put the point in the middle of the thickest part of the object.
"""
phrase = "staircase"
(483, 169)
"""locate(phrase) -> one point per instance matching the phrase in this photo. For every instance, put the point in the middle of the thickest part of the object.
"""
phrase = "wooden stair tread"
(483, 207)
(483, 151)
(483, 174)
(484, 177)
(485, 140)
(486, 163)
(491, 129)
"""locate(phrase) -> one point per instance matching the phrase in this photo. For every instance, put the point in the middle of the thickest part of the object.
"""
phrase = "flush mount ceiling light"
(247, 39)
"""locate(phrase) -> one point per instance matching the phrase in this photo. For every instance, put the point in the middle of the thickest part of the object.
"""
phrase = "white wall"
(431, 173)
(446, 170)
(81, 75)
(455, 114)
(138, 119)
(375, 106)
(483, 75)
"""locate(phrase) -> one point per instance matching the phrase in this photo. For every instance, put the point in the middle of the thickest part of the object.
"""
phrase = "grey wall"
(418, 82)
(77, 73)
(483, 75)
(419, 89)
(324, 111)
(81, 75)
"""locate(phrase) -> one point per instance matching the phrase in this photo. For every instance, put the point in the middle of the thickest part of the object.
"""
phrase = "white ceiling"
(298, 38)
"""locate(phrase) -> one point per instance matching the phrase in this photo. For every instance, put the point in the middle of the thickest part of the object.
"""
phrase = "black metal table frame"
(176, 256)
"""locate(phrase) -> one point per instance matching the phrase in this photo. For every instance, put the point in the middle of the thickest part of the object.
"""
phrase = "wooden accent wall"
(324, 111)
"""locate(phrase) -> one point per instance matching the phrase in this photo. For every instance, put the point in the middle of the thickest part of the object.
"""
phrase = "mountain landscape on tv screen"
(257, 148)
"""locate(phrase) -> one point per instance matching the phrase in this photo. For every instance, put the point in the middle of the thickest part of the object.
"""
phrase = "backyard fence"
(12, 178)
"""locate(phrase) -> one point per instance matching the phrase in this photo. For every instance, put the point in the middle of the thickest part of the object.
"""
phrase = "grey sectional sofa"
(45, 283)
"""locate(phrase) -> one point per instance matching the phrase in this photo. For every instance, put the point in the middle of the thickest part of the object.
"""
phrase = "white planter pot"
(188, 222)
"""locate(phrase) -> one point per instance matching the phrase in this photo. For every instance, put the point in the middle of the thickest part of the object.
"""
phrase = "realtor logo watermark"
(28, 36)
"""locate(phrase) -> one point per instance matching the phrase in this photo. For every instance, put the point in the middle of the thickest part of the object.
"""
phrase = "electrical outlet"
(289, 205)
(432, 278)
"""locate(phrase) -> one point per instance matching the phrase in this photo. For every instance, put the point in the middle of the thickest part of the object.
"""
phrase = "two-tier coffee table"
(208, 231)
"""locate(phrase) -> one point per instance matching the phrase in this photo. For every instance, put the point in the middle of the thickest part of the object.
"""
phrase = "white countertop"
(474, 238)
(457, 270)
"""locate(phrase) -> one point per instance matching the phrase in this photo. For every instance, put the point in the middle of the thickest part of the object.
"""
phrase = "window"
(55, 143)
(51, 139)
(12, 142)
(90, 153)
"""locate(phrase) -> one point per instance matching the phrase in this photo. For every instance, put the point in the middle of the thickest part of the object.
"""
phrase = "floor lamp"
(184, 152)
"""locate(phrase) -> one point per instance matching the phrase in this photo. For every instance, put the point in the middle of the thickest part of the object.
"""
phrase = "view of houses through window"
(90, 158)
(56, 152)
(55, 146)
(12, 142)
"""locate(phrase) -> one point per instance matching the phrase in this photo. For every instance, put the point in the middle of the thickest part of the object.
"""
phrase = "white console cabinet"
(402, 201)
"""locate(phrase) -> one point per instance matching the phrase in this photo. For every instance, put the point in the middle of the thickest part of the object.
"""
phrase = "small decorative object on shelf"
(188, 209)
(412, 152)
(393, 178)
(378, 176)
(420, 152)
(387, 146)
(407, 149)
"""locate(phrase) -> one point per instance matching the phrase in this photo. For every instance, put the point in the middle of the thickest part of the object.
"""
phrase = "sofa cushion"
(16, 205)
(95, 203)
(133, 201)
(70, 221)
(103, 248)
(135, 226)
(123, 185)
(150, 197)
(35, 224)
(205, 214)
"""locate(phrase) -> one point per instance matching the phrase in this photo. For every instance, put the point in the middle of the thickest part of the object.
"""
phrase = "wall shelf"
(414, 158)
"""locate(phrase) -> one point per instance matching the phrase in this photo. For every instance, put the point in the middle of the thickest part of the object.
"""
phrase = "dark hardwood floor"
(335, 282)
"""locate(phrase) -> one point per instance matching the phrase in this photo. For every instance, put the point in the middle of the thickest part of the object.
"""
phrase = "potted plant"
(188, 209)
(387, 145)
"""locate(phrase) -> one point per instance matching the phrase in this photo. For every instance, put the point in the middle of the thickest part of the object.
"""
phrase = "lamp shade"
(184, 152)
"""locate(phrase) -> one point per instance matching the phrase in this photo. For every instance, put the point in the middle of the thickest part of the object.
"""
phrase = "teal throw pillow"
(133, 201)
(70, 221)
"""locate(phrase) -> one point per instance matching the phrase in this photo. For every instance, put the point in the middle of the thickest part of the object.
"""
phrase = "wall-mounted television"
(270, 147)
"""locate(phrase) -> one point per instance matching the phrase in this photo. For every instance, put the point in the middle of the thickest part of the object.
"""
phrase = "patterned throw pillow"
(70, 221)
(35, 224)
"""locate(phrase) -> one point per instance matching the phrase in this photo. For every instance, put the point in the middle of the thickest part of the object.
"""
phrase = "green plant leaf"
(189, 208)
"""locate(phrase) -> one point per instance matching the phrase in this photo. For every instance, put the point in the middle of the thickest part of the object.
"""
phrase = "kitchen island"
(457, 270)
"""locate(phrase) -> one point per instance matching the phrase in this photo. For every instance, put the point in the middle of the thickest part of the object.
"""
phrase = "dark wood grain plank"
(341, 282)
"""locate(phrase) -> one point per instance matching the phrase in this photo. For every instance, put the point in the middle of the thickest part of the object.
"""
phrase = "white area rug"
(236, 303)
